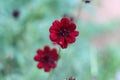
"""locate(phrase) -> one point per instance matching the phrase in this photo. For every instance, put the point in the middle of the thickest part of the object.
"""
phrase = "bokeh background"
(94, 56)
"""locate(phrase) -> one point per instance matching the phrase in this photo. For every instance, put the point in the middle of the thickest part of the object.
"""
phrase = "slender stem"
(50, 74)
(93, 63)
(59, 50)
(79, 10)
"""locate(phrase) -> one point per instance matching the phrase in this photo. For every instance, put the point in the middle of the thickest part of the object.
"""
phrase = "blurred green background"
(94, 56)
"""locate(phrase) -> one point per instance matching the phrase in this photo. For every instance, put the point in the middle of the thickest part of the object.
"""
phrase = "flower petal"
(70, 39)
(39, 65)
(63, 43)
(53, 36)
(47, 69)
(39, 51)
(54, 54)
(52, 29)
(36, 57)
(74, 33)
(65, 21)
(46, 49)
(53, 65)
(72, 27)
(56, 23)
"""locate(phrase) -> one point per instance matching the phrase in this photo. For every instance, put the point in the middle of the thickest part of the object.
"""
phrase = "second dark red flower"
(46, 58)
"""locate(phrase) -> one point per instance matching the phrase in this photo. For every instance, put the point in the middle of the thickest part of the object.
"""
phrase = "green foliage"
(21, 37)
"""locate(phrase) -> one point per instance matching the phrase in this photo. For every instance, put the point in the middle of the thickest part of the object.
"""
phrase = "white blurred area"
(103, 11)
(109, 9)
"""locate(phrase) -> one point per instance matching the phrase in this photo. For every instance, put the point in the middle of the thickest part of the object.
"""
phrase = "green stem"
(93, 63)
(79, 10)
(59, 50)
(50, 74)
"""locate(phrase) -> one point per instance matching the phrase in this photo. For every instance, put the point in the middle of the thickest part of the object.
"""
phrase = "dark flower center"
(15, 13)
(63, 32)
(47, 59)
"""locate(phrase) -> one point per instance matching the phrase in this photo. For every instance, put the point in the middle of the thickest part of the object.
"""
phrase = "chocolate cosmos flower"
(46, 58)
(71, 78)
(87, 1)
(63, 32)
(16, 13)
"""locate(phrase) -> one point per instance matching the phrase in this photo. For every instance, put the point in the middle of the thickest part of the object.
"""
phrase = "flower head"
(70, 78)
(63, 32)
(46, 58)
(87, 1)
(16, 13)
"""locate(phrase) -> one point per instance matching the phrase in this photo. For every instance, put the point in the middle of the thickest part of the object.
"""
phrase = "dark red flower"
(63, 32)
(46, 58)
(70, 78)
(16, 13)
(87, 1)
